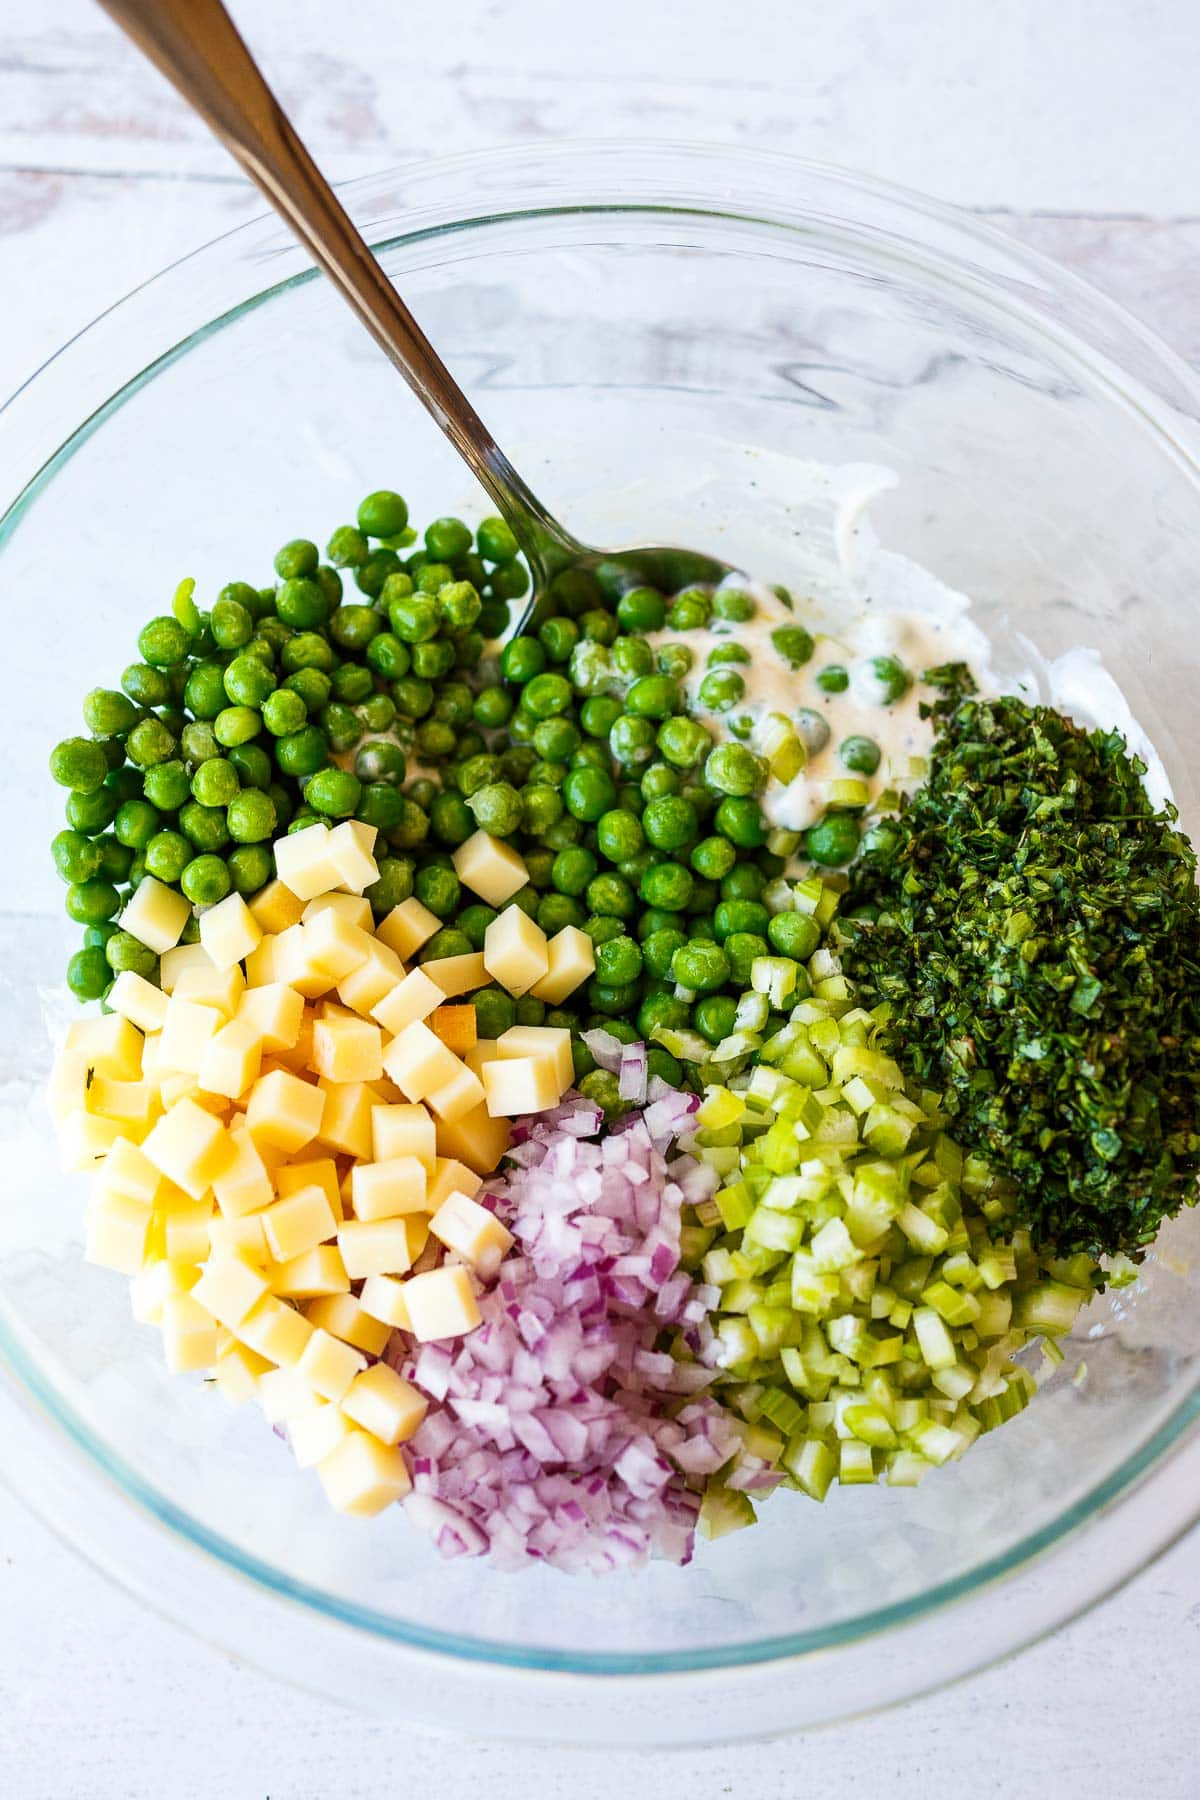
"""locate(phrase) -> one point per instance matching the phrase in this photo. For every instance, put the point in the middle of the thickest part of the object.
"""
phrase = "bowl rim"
(624, 177)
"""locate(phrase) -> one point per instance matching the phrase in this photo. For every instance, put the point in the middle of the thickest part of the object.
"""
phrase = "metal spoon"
(196, 46)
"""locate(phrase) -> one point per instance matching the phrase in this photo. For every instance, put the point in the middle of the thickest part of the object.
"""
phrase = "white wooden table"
(1076, 125)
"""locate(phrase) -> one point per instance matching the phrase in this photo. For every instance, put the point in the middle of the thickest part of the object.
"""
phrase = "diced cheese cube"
(138, 1000)
(303, 862)
(243, 1185)
(332, 946)
(329, 1365)
(180, 1087)
(290, 964)
(67, 1088)
(110, 1044)
(346, 1126)
(299, 1223)
(172, 966)
(277, 1331)
(310, 1168)
(520, 1084)
(181, 1226)
(376, 975)
(128, 1170)
(349, 848)
(260, 964)
(284, 1395)
(190, 1148)
(236, 1373)
(514, 950)
(185, 1036)
(374, 1247)
(458, 974)
(316, 1272)
(229, 931)
(382, 1298)
(228, 1288)
(298, 1056)
(363, 1476)
(441, 1304)
(353, 908)
(490, 868)
(384, 1190)
(316, 1433)
(133, 1101)
(540, 1040)
(190, 1335)
(274, 1013)
(275, 907)
(476, 1139)
(407, 927)
(570, 960)
(419, 1063)
(451, 1177)
(342, 1317)
(155, 915)
(455, 1025)
(416, 1229)
(239, 1237)
(384, 1404)
(413, 998)
(231, 1059)
(150, 1288)
(472, 1232)
(348, 1049)
(403, 1130)
(460, 1095)
(210, 986)
(117, 1231)
(284, 1110)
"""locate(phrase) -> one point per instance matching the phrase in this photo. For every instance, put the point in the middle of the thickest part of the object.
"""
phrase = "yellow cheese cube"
(458, 974)
(228, 1288)
(67, 1088)
(403, 1130)
(312, 1274)
(303, 862)
(476, 1139)
(540, 1040)
(413, 998)
(407, 927)
(243, 1185)
(384, 1404)
(135, 1101)
(221, 988)
(316, 1433)
(342, 1317)
(284, 1395)
(274, 1013)
(284, 1110)
(155, 915)
(460, 1095)
(520, 1084)
(416, 1230)
(419, 1063)
(110, 1045)
(451, 1177)
(190, 1336)
(173, 965)
(441, 1304)
(150, 1288)
(472, 1232)
(229, 931)
(117, 1232)
(260, 964)
(376, 975)
(353, 908)
(329, 1365)
(183, 1227)
(490, 868)
(514, 950)
(333, 946)
(298, 1056)
(346, 1125)
(349, 848)
(374, 1247)
(290, 964)
(231, 1059)
(190, 1148)
(239, 1237)
(384, 1190)
(275, 907)
(276, 1330)
(570, 960)
(382, 1298)
(349, 1049)
(311, 1168)
(138, 1000)
(299, 1223)
(363, 1476)
(236, 1373)
(128, 1170)
(179, 1087)
(185, 1036)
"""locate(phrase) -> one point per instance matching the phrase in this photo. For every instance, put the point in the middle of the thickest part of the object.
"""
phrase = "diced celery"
(735, 1205)
(953, 1304)
(922, 1232)
(955, 1382)
(995, 1314)
(694, 1241)
(998, 1266)
(785, 844)
(812, 1464)
(833, 1248)
(774, 1230)
(856, 1464)
(752, 1013)
(812, 1290)
(960, 1271)
(718, 1267)
(782, 1409)
(719, 1109)
(935, 1343)
(738, 1343)
(770, 1325)
(763, 1441)
(870, 1425)
(905, 1468)
(774, 976)
(1048, 1306)
(708, 1212)
(936, 1443)
(723, 1510)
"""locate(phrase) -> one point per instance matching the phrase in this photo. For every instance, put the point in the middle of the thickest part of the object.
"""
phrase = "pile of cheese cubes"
(289, 1134)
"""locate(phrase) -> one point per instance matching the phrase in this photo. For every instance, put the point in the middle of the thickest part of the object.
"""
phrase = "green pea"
(713, 858)
(833, 841)
(541, 807)
(108, 713)
(726, 653)
(302, 753)
(669, 823)
(793, 644)
(380, 760)
(690, 610)
(440, 890)
(236, 725)
(454, 706)
(167, 855)
(381, 805)
(301, 603)
(351, 684)
(658, 780)
(793, 934)
(79, 764)
(146, 686)
(308, 652)
(492, 708)
(832, 679)
(740, 915)
(92, 812)
(618, 962)
(886, 680)
(394, 886)
(283, 712)
(812, 728)
(611, 896)
(333, 792)
(204, 826)
(497, 808)
(199, 742)
(658, 951)
(341, 725)
(150, 742)
(522, 659)
(630, 740)
(460, 605)
(413, 697)
(206, 880)
(743, 948)
(733, 606)
(732, 769)
(859, 754)
(163, 642)
(473, 922)
(88, 973)
(591, 669)
(250, 868)
(432, 660)
(721, 689)
(653, 697)
(547, 695)
(215, 782)
(574, 867)
(378, 713)
(248, 681)
(742, 822)
(667, 885)
(675, 660)
(353, 627)
(76, 857)
(588, 792)
(495, 1012)
(297, 558)
(556, 911)
(619, 835)
(398, 586)
(347, 547)
(555, 739)
(383, 514)
(252, 764)
(496, 541)
(683, 742)
(252, 816)
(122, 952)
(701, 966)
(632, 658)
(90, 901)
(713, 1016)
(641, 609)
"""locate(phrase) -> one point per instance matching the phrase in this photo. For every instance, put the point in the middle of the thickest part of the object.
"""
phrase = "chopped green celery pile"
(874, 1289)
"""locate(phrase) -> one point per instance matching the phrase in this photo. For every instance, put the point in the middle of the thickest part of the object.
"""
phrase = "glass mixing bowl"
(651, 332)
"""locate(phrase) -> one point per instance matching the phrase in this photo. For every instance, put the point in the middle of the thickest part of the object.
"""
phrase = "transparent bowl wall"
(650, 332)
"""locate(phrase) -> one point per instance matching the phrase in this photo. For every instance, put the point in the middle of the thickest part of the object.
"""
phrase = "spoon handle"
(196, 45)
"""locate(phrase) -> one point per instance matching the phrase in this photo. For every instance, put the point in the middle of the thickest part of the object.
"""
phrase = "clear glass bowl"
(648, 330)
